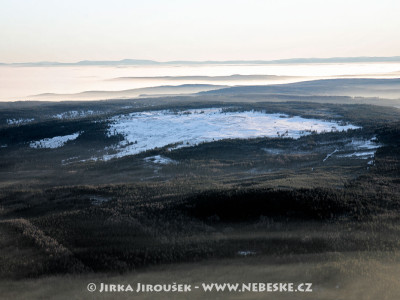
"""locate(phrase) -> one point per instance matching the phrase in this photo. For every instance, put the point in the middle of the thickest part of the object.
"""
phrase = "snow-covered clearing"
(143, 131)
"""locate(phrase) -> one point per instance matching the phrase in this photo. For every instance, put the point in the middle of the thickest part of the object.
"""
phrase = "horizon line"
(129, 61)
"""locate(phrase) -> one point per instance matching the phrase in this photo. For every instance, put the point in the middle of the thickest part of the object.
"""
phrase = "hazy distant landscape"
(111, 80)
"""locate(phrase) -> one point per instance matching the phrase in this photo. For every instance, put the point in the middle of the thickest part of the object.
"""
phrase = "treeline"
(19, 135)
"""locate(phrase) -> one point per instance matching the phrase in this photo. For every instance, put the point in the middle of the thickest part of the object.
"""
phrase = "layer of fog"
(20, 83)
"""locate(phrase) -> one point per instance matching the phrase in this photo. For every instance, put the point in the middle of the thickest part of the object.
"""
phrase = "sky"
(74, 30)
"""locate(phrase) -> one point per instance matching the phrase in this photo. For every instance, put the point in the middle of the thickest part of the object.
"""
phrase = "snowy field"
(155, 129)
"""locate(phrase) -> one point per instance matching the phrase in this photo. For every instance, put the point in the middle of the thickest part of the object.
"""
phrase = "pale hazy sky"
(67, 31)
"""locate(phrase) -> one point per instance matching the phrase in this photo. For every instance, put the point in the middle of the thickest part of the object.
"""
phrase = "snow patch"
(162, 160)
(273, 151)
(363, 149)
(363, 155)
(19, 121)
(330, 154)
(74, 114)
(365, 144)
(69, 160)
(55, 142)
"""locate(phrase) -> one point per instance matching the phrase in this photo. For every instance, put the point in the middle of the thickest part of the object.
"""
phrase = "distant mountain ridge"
(234, 77)
(353, 87)
(138, 62)
(131, 93)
